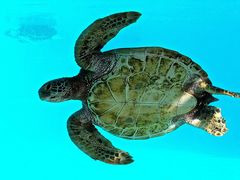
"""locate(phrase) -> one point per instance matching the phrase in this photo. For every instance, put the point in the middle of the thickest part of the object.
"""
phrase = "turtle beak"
(43, 94)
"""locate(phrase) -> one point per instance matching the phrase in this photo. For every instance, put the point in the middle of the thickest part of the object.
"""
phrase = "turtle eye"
(48, 87)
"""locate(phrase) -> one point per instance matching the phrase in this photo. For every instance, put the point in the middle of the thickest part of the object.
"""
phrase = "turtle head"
(56, 90)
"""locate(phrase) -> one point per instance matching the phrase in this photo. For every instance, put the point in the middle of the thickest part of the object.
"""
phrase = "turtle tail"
(215, 90)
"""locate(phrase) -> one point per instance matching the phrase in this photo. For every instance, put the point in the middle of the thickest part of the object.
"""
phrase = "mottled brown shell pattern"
(142, 95)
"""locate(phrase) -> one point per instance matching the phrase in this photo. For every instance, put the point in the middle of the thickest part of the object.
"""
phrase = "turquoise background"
(33, 135)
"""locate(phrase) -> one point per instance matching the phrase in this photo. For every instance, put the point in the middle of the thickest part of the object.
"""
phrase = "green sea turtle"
(134, 93)
(33, 28)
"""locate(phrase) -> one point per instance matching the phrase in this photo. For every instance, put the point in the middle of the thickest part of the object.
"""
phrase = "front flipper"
(83, 133)
(92, 39)
(210, 119)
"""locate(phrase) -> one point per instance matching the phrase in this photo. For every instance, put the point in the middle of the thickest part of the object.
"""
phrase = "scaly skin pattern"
(90, 42)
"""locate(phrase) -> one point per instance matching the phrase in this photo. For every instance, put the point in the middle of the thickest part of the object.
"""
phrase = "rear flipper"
(210, 119)
(83, 133)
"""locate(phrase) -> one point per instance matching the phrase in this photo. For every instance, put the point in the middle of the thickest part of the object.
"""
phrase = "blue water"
(37, 40)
